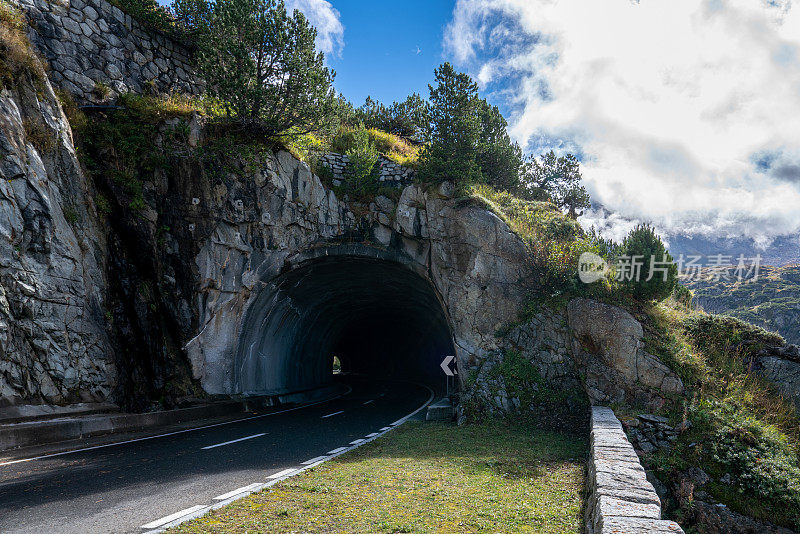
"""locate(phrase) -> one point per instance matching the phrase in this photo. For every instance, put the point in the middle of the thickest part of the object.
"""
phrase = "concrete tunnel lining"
(378, 316)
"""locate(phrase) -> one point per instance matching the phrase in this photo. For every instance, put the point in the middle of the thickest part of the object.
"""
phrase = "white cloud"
(323, 16)
(669, 102)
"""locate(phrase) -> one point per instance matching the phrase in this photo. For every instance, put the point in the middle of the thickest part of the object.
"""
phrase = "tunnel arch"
(375, 309)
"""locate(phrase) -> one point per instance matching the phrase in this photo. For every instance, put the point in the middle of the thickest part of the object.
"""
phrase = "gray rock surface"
(607, 345)
(53, 343)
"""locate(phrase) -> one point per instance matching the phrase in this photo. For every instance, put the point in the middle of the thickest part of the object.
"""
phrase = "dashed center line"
(332, 414)
(233, 441)
(369, 401)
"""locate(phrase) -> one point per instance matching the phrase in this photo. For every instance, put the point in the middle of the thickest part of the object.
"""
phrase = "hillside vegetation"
(737, 428)
(772, 301)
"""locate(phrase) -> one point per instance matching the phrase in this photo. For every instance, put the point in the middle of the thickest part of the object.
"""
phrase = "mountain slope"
(772, 300)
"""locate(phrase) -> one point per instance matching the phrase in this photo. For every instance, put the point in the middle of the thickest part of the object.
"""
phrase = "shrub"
(361, 165)
(761, 461)
(643, 245)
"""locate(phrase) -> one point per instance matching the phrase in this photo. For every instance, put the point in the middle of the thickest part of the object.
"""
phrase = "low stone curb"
(621, 500)
(44, 432)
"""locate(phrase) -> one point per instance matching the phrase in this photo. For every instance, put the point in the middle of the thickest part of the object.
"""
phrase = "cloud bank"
(685, 113)
(323, 16)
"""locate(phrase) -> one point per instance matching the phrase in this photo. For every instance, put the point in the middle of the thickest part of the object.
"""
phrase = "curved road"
(122, 488)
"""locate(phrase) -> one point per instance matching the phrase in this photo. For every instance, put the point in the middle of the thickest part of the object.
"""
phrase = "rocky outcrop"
(54, 347)
(781, 366)
(95, 49)
(608, 348)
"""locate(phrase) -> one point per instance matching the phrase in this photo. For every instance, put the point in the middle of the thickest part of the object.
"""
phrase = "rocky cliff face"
(53, 341)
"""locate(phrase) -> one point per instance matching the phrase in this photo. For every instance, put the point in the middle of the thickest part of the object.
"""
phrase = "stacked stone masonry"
(92, 45)
(621, 500)
(389, 172)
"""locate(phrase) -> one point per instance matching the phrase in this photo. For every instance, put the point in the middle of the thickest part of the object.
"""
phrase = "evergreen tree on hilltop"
(454, 129)
(261, 64)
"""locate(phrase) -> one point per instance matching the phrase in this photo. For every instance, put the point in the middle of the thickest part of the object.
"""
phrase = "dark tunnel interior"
(378, 317)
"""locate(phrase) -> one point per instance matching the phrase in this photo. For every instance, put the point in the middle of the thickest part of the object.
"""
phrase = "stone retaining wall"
(389, 172)
(621, 500)
(91, 42)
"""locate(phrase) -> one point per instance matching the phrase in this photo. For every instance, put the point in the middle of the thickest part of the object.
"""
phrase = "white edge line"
(332, 414)
(233, 441)
(357, 442)
(237, 491)
(174, 433)
(285, 472)
(372, 435)
(220, 504)
(337, 451)
(314, 460)
(369, 402)
(172, 517)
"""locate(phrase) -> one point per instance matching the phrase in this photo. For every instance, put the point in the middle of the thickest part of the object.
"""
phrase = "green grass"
(426, 477)
(392, 146)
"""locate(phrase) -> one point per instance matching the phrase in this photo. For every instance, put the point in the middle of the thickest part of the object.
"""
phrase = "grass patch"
(17, 57)
(426, 477)
(389, 145)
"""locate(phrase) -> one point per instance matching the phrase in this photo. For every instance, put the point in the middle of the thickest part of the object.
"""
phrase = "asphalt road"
(123, 487)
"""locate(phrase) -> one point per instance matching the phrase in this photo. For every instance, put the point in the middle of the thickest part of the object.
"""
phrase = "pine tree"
(453, 131)
(260, 62)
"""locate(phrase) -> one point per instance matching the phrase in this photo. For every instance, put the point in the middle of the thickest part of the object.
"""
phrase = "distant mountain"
(785, 250)
(772, 300)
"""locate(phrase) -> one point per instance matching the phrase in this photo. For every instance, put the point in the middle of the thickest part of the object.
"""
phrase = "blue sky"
(390, 48)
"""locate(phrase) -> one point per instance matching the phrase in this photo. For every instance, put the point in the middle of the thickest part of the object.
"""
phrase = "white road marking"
(369, 401)
(233, 441)
(332, 414)
(283, 473)
(201, 510)
(170, 433)
(373, 434)
(164, 520)
(237, 491)
(398, 422)
(314, 460)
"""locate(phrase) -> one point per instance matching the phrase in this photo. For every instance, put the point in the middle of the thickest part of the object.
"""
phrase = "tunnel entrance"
(377, 316)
